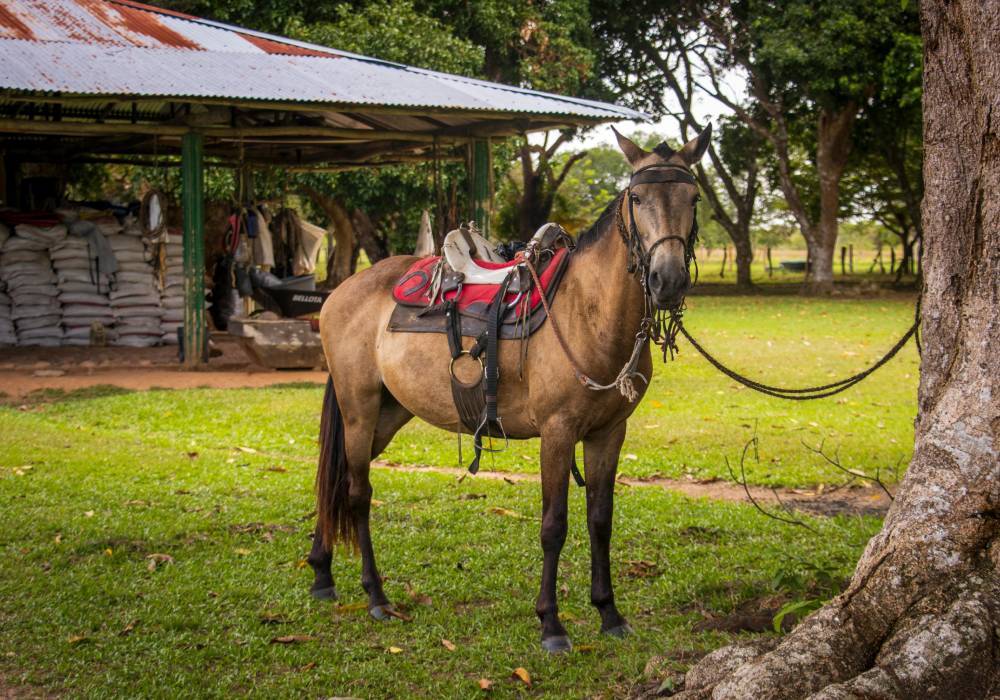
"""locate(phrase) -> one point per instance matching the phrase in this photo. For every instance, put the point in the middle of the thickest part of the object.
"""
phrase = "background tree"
(920, 615)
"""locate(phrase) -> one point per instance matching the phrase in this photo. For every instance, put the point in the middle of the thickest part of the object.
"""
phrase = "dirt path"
(854, 500)
(17, 384)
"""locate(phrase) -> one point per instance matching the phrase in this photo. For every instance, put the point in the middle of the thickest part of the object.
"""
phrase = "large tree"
(921, 615)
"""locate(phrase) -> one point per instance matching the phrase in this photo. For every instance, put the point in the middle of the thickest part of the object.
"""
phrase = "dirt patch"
(24, 371)
(855, 500)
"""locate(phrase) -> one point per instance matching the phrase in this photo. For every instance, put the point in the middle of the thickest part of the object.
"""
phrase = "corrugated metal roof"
(123, 48)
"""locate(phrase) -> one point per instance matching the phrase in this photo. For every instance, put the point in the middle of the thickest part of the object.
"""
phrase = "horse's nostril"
(654, 279)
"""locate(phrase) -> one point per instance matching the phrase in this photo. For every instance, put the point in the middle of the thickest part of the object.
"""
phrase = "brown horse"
(634, 257)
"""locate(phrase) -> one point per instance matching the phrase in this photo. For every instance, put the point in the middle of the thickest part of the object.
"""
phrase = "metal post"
(481, 185)
(192, 204)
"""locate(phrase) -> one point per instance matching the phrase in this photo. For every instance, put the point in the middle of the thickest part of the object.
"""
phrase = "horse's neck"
(608, 296)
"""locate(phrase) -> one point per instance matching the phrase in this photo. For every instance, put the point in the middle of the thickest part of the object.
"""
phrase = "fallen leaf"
(192, 455)
(272, 618)
(108, 552)
(508, 513)
(394, 650)
(522, 675)
(78, 639)
(308, 667)
(631, 457)
(485, 684)
(375, 502)
(301, 564)
(584, 648)
(293, 639)
(156, 559)
(642, 569)
(127, 629)
(350, 607)
(182, 492)
(450, 646)
(276, 468)
(471, 496)
(656, 404)
(88, 514)
(242, 551)
(247, 450)
(392, 612)
(137, 502)
(58, 538)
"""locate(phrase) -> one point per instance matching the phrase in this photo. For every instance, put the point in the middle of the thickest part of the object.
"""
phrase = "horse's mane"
(596, 229)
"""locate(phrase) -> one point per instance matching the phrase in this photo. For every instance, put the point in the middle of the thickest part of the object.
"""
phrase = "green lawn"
(219, 481)
(690, 422)
(82, 613)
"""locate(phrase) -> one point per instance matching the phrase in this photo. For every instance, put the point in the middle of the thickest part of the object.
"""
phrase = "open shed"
(119, 81)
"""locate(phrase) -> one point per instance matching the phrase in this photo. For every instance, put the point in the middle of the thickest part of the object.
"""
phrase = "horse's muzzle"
(668, 290)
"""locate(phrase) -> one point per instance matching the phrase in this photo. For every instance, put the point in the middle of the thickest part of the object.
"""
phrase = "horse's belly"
(415, 370)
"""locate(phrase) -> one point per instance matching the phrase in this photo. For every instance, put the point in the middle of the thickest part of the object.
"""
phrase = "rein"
(664, 325)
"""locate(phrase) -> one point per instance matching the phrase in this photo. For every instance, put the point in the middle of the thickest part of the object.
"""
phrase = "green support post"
(192, 203)
(481, 167)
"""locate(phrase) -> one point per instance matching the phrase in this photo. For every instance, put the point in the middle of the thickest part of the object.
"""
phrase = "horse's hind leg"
(557, 456)
(391, 417)
(600, 454)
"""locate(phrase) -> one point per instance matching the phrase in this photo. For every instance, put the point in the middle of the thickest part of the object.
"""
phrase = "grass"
(692, 420)
(91, 486)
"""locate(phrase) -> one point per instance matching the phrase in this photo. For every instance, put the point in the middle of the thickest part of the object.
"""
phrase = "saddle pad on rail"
(413, 289)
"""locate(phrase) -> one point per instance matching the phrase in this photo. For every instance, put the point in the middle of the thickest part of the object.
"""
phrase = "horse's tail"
(332, 478)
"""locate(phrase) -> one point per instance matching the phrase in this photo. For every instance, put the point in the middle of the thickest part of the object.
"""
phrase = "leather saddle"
(469, 273)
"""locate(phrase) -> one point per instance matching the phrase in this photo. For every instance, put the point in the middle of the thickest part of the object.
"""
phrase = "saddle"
(471, 291)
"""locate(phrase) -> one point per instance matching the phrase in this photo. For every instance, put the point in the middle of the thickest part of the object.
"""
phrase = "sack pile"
(135, 300)
(7, 336)
(31, 285)
(172, 289)
(84, 280)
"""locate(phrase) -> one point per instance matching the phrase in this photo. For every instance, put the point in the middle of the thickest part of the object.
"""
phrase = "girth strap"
(491, 417)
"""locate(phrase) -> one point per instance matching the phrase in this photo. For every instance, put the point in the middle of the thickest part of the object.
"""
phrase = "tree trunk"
(341, 265)
(375, 246)
(744, 259)
(833, 137)
(921, 615)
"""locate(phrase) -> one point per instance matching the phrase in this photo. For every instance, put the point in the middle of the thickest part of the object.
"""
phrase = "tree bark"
(921, 615)
(833, 137)
(341, 266)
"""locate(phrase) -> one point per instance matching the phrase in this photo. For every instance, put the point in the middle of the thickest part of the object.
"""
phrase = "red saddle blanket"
(414, 288)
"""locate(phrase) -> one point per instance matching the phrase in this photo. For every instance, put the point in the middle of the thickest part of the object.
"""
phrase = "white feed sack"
(83, 288)
(135, 299)
(26, 271)
(172, 292)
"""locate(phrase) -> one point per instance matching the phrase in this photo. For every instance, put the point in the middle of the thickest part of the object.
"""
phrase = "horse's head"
(659, 209)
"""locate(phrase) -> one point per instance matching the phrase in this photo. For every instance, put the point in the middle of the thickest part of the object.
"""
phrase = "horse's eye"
(635, 199)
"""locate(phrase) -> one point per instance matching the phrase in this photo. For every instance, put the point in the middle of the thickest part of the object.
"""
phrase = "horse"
(635, 257)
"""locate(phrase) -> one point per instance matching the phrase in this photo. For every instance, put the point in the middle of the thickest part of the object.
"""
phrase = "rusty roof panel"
(124, 48)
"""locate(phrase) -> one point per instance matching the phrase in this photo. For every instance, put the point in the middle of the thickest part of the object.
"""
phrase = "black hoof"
(328, 593)
(381, 613)
(620, 631)
(557, 645)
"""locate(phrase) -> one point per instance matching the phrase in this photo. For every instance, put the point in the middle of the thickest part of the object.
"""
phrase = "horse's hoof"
(620, 631)
(328, 593)
(557, 645)
(381, 612)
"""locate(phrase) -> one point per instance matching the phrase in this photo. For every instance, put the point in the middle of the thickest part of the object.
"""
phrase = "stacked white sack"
(85, 266)
(26, 268)
(172, 289)
(7, 335)
(135, 300)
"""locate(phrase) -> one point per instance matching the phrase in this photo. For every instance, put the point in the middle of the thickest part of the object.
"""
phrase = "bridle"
(659, 325)
(639, 257)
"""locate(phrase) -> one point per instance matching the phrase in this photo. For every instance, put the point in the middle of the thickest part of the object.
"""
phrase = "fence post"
(725, 255)
(843, 260)
(850, 253)
(770, 265)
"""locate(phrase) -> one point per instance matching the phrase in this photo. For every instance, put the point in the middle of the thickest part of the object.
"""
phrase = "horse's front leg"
(600, 454)
(557, 455)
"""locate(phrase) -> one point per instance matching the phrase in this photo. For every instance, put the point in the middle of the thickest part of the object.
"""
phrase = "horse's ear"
(633, 154)
(694, 149)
